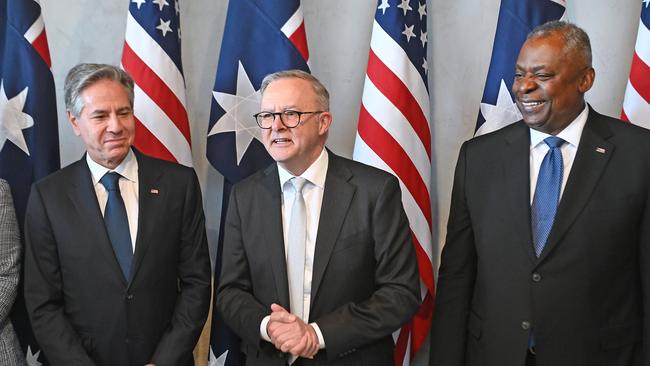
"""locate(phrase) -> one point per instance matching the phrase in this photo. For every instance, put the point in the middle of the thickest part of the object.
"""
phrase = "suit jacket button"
(129, 297)
(525, 325)
(536, 277)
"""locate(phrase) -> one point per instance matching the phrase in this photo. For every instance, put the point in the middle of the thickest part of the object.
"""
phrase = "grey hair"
(321, 92)
(84, 75)
(575, 38)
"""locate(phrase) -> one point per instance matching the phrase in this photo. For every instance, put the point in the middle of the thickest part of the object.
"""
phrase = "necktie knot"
(554, 142)
(298, 184)
(110, 181)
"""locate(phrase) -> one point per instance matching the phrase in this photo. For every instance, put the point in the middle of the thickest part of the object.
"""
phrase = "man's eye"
(290, 113)
(265, 115)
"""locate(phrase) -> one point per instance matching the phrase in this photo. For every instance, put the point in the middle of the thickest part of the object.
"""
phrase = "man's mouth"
(281, 141)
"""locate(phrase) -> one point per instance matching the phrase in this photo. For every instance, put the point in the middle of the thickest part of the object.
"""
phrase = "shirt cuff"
(319, 334)
(263, 325)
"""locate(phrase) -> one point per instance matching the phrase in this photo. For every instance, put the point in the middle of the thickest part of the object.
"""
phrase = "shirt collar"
(315, 174)
(128, 168)
(570, 133)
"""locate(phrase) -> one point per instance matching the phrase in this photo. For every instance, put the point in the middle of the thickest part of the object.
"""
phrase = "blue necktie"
(547, 193)
(117, 223)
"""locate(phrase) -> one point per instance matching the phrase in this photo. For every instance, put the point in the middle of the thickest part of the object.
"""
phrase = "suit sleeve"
(43, 290)
(644, 262)
(456, 278)
(194, 274)
(9, 252)
(235, 300)
(397, 289)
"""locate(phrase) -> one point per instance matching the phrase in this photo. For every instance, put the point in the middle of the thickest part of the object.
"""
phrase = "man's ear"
(74, 122)
(324, 122)
(587, 80)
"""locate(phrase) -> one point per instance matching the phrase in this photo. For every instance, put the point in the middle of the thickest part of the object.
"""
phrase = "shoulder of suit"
(162, 165)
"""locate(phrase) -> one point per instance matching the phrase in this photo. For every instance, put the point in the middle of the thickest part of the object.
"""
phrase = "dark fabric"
(82, 309)
(117, 223)
(365, 279)
(586, 295)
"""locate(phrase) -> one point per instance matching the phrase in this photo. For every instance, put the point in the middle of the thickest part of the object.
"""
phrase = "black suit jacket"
(82, 310)
(586, 297)
(365, 277)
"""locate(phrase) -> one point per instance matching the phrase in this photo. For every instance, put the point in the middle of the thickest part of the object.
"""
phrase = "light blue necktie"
(297, 236)
(547, 193)
(117, 223)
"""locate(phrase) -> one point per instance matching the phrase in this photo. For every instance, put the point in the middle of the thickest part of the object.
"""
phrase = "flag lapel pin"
(600, 150)
(154, 191)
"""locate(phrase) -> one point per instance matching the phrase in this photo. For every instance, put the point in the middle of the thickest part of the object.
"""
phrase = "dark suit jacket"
(82, 310)
(586, 297)
(365, 277)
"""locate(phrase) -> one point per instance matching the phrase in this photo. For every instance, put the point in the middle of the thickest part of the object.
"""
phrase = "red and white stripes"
(394, 135)
(162, 127)
(294, 29)
(636, 105)
(36, 36)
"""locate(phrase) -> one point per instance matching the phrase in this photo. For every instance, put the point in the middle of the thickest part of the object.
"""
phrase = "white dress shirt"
(538, 149)
(128, 169)
(313, 195)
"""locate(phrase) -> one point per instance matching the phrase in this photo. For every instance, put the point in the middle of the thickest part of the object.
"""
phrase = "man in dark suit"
(117, 269)
(547, 258)
(318, 265)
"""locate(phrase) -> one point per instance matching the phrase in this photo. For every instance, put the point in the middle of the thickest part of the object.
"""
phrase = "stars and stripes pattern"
(636, 105)
(152, 56)
(394, 135)
(516, 19)
(29, 142)
(271, 39)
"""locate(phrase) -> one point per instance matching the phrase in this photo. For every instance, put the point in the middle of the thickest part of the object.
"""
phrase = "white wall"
(338, 31)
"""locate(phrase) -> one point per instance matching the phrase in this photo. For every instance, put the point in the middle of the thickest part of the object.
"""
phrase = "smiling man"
(117, 270)
(318, 265)
(547, 256)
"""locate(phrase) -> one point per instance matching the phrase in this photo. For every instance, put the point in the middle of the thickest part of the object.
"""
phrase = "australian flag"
(516, 19)
(260, 37)
(29, 142)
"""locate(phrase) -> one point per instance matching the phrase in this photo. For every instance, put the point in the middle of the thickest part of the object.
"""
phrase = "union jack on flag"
(29, 133)
(516, 19)
(394, 135)
(152, 56)
(636, 105)
(260, 37)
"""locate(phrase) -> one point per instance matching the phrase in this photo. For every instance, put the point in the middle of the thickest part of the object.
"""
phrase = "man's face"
(550, 83)
(106, 123)
(295, 149)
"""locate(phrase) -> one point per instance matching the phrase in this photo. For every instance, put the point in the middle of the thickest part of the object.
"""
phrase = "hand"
(291, 334)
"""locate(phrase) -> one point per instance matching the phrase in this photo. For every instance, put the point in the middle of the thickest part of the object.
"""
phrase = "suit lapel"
(148, 203)
(271, 224)
(337, 197)
(83, 197)
(516, 158)
(591, 159)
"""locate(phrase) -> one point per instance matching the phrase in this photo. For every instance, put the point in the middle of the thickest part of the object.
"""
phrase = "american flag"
(394, 135)
(152, 56)
(516, 19)
(636, 105)
(29, 141)
(271, 38)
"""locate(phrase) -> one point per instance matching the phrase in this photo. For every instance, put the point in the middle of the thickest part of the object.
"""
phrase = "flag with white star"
(152, 56)
(29, 142)
(516, 19)
(394, 135)
(636, 105)
(260, 37)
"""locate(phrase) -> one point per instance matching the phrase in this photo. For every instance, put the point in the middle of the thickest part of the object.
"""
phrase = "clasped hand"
(290, 334)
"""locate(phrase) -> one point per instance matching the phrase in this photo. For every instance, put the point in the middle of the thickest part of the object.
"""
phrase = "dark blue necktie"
(547, 193)
(117, 223)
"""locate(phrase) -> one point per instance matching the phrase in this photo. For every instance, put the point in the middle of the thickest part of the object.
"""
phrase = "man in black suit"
(117, 269)
(326, 286)
(548, 264)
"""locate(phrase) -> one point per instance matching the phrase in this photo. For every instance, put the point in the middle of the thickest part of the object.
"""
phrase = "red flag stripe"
(421, 323)
(399, 94)
(156, 89)
(376, 137)
(424, 262)
(640, 77)
(299, 39)
(40, 45)
(149, 144)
